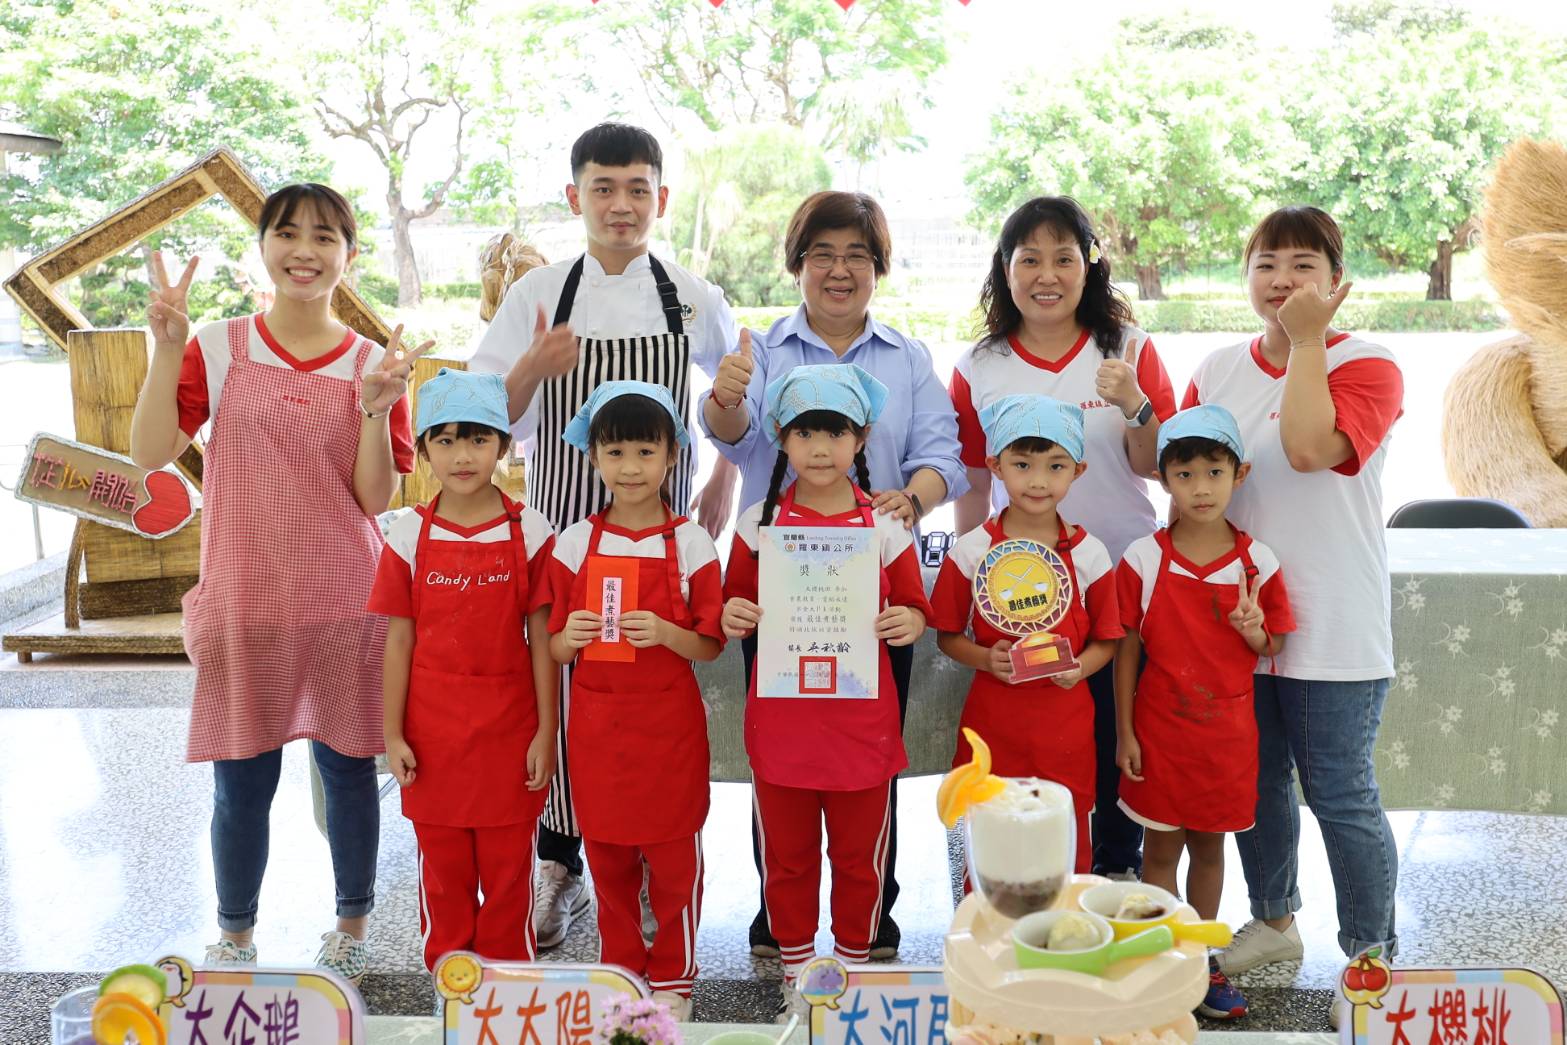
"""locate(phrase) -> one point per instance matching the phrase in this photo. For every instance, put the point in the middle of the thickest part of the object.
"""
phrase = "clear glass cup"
(70, 1021)
(1022, 846)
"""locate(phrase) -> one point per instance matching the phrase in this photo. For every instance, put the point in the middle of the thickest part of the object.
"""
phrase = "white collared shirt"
(606, 307)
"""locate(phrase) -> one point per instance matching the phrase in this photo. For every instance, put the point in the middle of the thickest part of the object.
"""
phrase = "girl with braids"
(636, 739)
(816, 758)
(1055, 325)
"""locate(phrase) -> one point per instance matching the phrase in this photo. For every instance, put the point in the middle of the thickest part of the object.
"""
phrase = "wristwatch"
(1143, 416)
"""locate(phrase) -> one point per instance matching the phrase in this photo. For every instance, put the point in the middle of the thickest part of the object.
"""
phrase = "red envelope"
(611, 591)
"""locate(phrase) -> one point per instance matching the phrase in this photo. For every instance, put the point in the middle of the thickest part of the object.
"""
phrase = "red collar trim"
(1278, 372)
(304, 365)
(1205, 571)
(998, 532)
(509, 508)
(672, 521)
(1044, 364)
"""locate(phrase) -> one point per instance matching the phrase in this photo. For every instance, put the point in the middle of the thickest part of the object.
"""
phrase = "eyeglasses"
(854, 261)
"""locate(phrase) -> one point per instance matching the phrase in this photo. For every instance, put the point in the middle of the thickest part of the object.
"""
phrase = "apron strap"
(667, 298)
(568, 293)
(424, 538)
(677, 602)
(239, 338)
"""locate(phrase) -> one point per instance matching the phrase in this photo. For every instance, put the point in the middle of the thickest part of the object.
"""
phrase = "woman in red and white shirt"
(1056, 326)
(1316, 406)
(309, 431)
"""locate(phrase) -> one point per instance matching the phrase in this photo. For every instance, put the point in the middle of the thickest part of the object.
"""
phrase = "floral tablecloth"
(1476, 717)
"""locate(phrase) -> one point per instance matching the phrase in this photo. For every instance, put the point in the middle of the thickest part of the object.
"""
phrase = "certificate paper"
(820, 594)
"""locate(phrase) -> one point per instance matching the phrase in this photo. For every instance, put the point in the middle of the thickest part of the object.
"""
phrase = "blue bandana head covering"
(1203, 422)
(457, 395)
(842, 388)
(1015, 417)
(576, 433)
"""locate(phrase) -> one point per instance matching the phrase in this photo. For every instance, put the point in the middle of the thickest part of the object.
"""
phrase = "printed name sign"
(1453, 1006)
(542, 1003)
(105, 488)
(883, 1004)
(286, 1006)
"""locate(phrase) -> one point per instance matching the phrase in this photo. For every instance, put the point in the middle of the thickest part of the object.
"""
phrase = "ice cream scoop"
(1117, 902)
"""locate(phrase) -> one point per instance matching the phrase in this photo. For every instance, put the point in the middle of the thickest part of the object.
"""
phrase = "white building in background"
(937, 257)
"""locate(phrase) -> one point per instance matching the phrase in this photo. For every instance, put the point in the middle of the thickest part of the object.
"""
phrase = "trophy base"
(1041, 655)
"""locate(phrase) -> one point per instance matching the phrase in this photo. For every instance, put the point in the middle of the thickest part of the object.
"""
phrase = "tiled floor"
(104, 859)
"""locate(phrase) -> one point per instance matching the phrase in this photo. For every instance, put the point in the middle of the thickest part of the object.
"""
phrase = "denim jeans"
(1327, 731)
(1117, 838)
(241, 808)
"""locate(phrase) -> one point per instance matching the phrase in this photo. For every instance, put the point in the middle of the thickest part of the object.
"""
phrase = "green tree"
(1412, 107)
(1166, 141)
(751, 62)
(736, 197)
(136, 95)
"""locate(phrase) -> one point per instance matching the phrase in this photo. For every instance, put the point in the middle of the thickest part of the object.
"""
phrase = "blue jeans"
(242, 804)
(1327, 730)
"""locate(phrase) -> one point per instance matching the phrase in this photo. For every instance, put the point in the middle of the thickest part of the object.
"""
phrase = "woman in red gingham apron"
(302, 449)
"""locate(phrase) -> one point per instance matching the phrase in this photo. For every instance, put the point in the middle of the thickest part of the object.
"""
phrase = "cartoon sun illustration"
(456, 976)
(1367, 979)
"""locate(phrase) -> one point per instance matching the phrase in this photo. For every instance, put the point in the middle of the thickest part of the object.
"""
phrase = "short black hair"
(632, 419)
(1180, 451)
(1030, 444)
(464, 430)
(616, 145)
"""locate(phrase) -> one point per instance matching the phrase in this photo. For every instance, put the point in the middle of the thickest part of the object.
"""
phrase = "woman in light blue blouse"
(837, 247)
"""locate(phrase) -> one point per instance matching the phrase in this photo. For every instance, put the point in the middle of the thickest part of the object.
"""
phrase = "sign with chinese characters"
(1385, 1006)
(277, 1006)
(820, 592)
(874, 1004)
(1024, 588)
(549, 1003)
(104, 487)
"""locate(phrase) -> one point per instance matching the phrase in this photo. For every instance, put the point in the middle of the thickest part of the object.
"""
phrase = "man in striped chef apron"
(614, 313)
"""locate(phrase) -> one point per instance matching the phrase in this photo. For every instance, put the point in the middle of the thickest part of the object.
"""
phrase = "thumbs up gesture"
(734, 374)
(554, 349)
(1246, 617)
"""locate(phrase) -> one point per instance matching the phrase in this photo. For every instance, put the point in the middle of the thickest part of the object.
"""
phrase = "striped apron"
(562, 484)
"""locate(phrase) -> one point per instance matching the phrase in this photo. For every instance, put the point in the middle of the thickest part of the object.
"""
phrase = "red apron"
(1193, 716)
(827, 744)
(276, 627)
(636, 738)
(472, 708)
(1036, 728)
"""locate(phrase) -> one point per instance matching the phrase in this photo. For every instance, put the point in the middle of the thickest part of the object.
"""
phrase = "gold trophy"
(1024, 588)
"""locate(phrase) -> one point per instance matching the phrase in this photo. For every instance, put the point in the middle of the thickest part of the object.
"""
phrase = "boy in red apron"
(638, 597)
(470, 687)
(1042, 727)
(1204, 601)
(824, 758)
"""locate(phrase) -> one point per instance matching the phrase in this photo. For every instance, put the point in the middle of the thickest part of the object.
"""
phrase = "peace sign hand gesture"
(1247, 617)
(167, 305)
(386, 383)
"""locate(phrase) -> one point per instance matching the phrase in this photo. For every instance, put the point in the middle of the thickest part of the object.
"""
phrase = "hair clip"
(1093, 252)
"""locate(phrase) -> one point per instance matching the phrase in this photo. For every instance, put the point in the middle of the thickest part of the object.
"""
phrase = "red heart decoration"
(845, 4)
(168, 505)
(716, 3)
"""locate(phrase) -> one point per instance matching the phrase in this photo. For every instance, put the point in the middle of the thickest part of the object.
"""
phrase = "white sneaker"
(679, 1007)
(560, 897)
(792, 1005)
(1123, 876)
(1257, 943)
(227, 952)
(343, 954)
